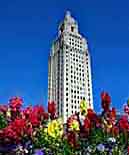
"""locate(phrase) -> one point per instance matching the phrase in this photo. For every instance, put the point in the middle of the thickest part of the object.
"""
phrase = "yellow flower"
(8, 113)
(107, 124)
(45, 130)
(75, 125)
(83, 107)
(55, 128)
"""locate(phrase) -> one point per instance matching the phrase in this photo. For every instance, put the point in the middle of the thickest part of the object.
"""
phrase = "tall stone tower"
(69, 69)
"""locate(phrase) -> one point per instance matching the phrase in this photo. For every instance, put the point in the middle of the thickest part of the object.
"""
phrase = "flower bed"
(33, 131)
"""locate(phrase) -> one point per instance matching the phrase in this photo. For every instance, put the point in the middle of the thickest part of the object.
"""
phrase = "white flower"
(100, 147)
(26, 151)
(112, 139)
(82, 118)
(89, 149)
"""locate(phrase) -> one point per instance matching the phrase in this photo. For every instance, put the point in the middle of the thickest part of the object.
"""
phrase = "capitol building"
(69, 69)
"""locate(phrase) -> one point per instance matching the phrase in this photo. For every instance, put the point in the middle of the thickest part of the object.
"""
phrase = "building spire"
(68, 14)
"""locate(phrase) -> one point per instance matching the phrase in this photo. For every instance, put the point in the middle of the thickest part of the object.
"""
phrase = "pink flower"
(15, 103)
(27, 111)
(3, 108)
(126, 109)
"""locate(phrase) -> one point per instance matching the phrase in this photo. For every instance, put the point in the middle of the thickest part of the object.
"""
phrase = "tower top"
(69, 24)
(68, 18)
(68, 14)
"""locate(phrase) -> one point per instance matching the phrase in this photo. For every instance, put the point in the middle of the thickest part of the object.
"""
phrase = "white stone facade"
(69, 69)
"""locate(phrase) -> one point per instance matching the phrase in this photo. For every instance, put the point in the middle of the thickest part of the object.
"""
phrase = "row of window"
(72, 49)
(72, 60)
(75, 45)
(77, 74)
(75, 36)
(75, 95)
(83, 84)
(75, 40)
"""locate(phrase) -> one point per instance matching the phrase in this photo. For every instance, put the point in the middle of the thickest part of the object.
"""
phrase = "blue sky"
(27, 29)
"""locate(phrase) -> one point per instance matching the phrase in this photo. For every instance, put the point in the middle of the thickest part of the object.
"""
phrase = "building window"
(72, 29)
(66, 47)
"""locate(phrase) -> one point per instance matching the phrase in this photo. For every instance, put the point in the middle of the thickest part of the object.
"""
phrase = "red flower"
(123, 123)
(27, 112)
(113, 113)
(106, 100)
(115, 130)
(15, 103)
(72, 139)
(35, 115)
(72, 123)
(45, 116)
(87, 123)
(9, 135)
(29, 130)
(19, 126)
(128, 149)
(91, 115)
(34, 120)
(52, 108)
(38, 111)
